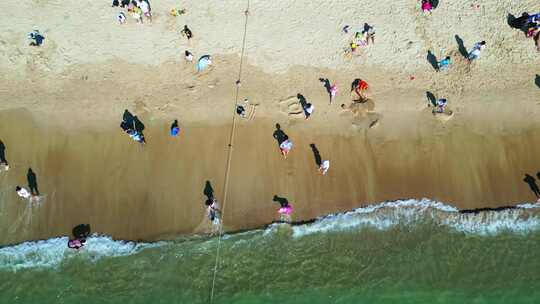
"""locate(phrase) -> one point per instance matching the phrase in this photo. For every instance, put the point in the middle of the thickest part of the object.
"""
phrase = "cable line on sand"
(229, 154)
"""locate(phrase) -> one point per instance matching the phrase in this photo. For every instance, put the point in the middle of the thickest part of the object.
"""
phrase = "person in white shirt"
(308, 110)
(477, 49)
(145, 8)
(323, 168)
(22, 192)
(188, 56)
(285, 147)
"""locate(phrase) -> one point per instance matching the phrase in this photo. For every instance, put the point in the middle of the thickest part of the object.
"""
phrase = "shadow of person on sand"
(302, 100)
(461, 47)
(435, 3)
(519, 23)
(139, 126)
(432, 59)
(327, 86)
(32, 182)
(531, 181)
(208, 191)
(283, 202)
(431, 98)
(537, 80)
(279, 135)
(316, 155)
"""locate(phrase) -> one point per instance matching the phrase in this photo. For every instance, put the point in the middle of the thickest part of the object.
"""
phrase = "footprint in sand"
(291, 107)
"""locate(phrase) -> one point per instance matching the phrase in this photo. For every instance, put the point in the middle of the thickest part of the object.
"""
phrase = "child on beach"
(333, 92)
(477, 49)
(145, 9)
(444, 64)
(323, 168)
(441, 105)
(427, 6)
(186, 32)
(36, 39)
(136, 13)
(285, 147)
(361, 88)
(308, 110)
(175, 129)
(188, 56)
(121, 17)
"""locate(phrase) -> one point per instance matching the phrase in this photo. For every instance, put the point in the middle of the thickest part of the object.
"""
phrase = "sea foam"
(521, 219)
(52, 252)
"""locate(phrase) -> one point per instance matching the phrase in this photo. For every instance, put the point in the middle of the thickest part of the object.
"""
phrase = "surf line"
(230, 152)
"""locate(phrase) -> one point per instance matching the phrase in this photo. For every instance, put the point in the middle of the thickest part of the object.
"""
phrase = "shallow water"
(400, 252)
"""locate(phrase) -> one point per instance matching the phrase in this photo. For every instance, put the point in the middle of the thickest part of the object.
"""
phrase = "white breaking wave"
(523, 218)
(52, 252)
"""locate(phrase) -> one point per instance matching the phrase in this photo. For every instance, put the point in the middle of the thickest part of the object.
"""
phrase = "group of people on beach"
(31, 178)
(133, 127)
(530, 24)
(137, 9)
(360, 38)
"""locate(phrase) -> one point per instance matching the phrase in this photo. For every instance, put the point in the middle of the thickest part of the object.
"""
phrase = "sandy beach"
(61, 104)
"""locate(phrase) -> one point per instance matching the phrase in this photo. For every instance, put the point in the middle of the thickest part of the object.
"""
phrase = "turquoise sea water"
(406, 252)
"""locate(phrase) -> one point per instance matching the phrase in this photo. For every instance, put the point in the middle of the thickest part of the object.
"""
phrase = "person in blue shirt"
(175, 129)
(444, 64)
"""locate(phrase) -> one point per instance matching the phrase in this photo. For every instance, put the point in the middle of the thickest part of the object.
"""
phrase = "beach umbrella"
(203, 62)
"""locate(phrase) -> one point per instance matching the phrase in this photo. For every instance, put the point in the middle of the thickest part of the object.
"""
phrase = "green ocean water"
(424, 262)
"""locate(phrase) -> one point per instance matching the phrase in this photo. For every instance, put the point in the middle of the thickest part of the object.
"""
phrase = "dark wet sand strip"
(156, 191)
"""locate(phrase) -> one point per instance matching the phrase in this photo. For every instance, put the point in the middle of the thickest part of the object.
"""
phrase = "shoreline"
(62, 103)
(131, 192)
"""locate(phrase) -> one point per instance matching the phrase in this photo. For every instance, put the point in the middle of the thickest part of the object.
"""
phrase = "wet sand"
(61, 105)
(146, 193)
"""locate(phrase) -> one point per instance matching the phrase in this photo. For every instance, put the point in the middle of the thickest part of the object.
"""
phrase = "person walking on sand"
(188, 56)
(186, 32)
(333, 92)
(476, 50)
(286, 146)
(308, 110)
(444, 64)
(175, 129)
(323, 168)
(22, 192)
